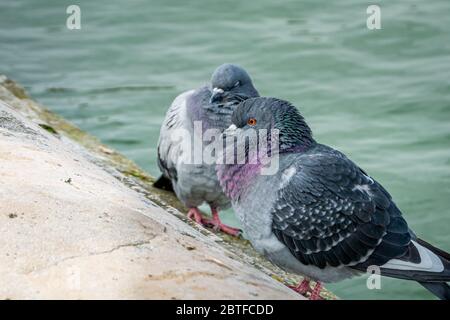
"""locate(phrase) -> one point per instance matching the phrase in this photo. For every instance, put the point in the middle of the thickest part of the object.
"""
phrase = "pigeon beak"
(230, 131)
(217, 96)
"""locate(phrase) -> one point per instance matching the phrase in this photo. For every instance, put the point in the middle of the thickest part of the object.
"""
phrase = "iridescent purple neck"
(235, 179)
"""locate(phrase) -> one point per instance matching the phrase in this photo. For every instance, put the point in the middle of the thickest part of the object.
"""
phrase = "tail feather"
(439, 289)
(163, 183)
(425, 264)
(435, 250)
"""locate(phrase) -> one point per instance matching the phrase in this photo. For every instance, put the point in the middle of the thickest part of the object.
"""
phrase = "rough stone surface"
(69, 229)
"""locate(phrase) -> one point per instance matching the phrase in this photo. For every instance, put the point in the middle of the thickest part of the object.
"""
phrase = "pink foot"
(195, 214)
(302, 288)
(315, 295)
(218, 225)
(215, 222)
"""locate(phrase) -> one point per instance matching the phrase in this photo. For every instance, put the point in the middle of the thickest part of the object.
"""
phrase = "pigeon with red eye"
(320, 215)
(211, 106)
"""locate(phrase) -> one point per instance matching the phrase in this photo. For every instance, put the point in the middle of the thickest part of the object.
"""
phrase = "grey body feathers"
(193, 184)
(293, 222)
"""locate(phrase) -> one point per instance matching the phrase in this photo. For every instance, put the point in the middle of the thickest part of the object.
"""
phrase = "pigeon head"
(231, 83)
(271, 113)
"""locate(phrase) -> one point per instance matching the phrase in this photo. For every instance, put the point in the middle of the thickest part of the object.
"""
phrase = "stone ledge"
(81, 221)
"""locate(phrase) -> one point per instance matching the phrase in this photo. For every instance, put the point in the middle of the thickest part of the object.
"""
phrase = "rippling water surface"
(382, 97)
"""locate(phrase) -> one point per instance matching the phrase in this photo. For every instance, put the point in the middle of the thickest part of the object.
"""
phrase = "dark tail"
(163, 183)
(428, 265)
(439, 289)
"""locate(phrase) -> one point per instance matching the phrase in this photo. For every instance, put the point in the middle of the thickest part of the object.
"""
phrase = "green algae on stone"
(48, 128)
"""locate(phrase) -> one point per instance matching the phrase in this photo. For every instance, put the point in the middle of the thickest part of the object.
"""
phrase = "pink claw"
(195, 214)
(315, 295)
(304, 288)
(215, 222)
(218, 225)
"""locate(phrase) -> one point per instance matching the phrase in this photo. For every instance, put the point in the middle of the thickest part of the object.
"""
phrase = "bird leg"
(218, 225)
(195, 214)
(315, 294)
(303, 287)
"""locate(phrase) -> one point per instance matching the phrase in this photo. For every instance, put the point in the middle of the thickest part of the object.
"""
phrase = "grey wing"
(170, 147)
(331, 213)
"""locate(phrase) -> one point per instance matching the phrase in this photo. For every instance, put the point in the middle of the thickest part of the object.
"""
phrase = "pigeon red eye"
(251, 121)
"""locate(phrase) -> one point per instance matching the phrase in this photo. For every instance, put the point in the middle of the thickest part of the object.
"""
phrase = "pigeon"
(319, 214)
(212, 106)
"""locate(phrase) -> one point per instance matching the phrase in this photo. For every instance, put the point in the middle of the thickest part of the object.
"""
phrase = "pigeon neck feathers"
(294, 133)
(235, 179)
(295, 136)
(211, 116)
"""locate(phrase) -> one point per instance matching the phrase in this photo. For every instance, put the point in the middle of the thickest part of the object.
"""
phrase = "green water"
(382, 97)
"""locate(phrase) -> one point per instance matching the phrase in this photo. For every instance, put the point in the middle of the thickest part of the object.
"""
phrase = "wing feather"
(332, 213)
(170, 150)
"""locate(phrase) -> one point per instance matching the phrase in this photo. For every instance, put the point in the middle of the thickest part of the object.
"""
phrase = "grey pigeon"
(321, 215)
(196, 183)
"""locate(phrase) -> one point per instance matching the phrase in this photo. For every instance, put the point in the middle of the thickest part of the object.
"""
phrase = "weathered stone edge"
(136, 178)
